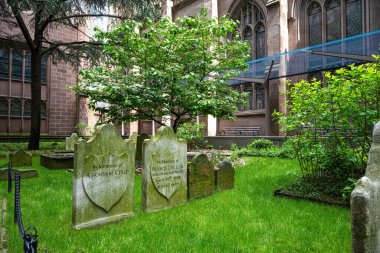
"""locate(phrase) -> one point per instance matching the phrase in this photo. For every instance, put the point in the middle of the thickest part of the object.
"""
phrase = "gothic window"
(43, 110)
(28, 69)
(253, 29)
(333, 25)
(3, 106)
(260, 41)
(315, 24)
(353, 17)
(260, 96)
(27, 108)
(4, 62)
(17, 65)
(16, 108)
(249, 91)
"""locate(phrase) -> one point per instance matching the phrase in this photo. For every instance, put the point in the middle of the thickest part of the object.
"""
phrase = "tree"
(35, 16)
(179, 69)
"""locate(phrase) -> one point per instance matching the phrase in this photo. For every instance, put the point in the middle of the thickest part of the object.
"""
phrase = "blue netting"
(302, 61)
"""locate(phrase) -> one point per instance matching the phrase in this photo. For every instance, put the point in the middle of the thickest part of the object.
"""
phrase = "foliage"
(265, 148)
(28, 22)
(253, 216)
(194, 134)
(333, 124)
(179, 69)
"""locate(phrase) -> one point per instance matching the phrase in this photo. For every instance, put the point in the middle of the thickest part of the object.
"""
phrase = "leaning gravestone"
(200, 177)
(70, 141)
(365, 203)
(20, 158)
(164, 181)
(224, 176)
(103, 178)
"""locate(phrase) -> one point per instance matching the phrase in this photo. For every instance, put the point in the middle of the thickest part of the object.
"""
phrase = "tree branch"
(23, 28)
(87, 15)
(57, 45)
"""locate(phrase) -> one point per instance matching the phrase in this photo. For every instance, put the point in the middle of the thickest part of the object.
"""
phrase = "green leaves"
(164, 68)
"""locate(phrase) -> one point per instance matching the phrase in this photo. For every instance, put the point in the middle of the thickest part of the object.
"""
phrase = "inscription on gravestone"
(164, 175)
(103, 178)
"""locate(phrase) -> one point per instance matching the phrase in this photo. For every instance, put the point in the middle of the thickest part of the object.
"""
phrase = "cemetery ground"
(247, 218)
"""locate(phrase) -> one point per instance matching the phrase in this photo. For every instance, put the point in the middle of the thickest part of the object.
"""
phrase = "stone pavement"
(3, 230)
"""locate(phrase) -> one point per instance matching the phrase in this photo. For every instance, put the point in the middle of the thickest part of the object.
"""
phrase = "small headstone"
(103, 178)
(140, 139)
(200, 176)
(365, 203)
(224, 176)
(70, 141)
(20, 158)
(28, 173)
(164, 177)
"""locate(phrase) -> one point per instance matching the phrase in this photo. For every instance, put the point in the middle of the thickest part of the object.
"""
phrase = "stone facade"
(365, 203)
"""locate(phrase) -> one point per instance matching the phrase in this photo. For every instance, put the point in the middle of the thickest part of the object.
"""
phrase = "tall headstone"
(365, 203)
(164, 179)
(200, 177)
(224, 176)
(70, 141)
(103, 178)
(20, 158)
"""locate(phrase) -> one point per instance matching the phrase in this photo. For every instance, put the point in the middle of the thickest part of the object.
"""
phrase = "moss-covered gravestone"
(103, 178)
(140, 139)
(224, 176)
(70, 141)
(200, 177)
(164, 180)
(365, 203)
(20, 158)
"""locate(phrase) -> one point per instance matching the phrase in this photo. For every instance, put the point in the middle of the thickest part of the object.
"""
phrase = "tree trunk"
(34, 140)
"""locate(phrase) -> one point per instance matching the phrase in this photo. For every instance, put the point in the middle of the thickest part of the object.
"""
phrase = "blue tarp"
(303, 61)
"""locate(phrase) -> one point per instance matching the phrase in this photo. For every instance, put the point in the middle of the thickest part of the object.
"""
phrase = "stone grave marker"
(70, 141)
(164, 179)
(224, 176)
(103, 178)
(200, 177)
(140, 139)
(20, 158)
(365, 203)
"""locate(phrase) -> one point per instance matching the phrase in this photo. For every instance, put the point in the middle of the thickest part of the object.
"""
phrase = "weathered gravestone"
(224, 176)
(164, 181)
(103, 178)
(365, 203)
(20, 158)
(70, 141)
(200, 177)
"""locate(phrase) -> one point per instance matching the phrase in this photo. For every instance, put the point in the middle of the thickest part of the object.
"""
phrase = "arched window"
(314, 14)
(3, 106)
(252, 25)
(354, 17)
(27, 108)
(16, 107)
(333, 17)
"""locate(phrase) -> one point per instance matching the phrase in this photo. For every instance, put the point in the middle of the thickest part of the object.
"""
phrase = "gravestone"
(365, 203)
(224, 176)
(20, 158)
(70, 141)
(57, 160)
(103, 178)
(200, 177)
(164, 180)
(140, 139)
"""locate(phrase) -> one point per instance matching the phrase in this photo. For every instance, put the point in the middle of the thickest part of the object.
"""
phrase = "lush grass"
(45, 146)
(246, 219)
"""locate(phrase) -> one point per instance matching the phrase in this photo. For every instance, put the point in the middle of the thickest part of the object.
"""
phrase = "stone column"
(166, 9)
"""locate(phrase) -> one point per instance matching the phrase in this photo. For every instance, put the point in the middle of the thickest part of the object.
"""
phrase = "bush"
(194, 134)
(260, 144)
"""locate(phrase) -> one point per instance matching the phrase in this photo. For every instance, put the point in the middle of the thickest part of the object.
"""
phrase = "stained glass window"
(4, 62)
(28, 69)
(3, 106)
(333, 17)
(247, 35)
(354, 17)
(15, 107)
(315, 24)
(260, 96)
(260, 41)
(17, 65)
(27, 108)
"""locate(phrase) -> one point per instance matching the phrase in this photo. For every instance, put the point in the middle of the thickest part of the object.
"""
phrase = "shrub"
(194, 134)
(260, 144)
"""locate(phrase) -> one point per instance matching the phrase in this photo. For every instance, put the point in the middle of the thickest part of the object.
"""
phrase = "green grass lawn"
(246, 219)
